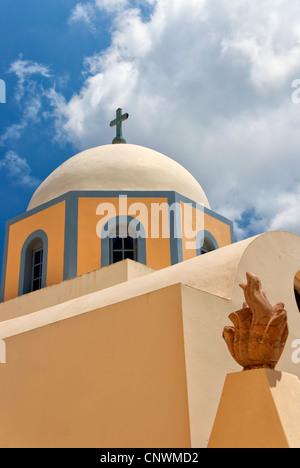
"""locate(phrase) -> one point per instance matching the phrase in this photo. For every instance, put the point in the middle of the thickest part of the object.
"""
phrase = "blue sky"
(207, 82)
(38, 34)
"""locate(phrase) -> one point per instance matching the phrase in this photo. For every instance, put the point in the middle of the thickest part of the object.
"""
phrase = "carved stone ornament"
(260, 330)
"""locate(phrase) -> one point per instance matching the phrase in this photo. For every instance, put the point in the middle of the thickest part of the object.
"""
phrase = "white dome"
(119, 167)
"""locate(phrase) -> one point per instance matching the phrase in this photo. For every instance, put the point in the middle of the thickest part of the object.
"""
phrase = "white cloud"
(287, 216)
(56, 112)
(30, 113)
(87, 12)
(111, 5)
(18, 169)
(24, 70)
(84, 12)
(268, 38)
(209, 85)
(28, 95)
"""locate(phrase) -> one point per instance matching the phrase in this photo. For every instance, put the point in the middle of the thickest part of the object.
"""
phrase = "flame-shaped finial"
(260, 330)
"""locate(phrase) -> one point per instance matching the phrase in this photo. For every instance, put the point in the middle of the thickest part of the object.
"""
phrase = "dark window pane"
(117, 243)
(128, 254)
(37, 271)
(36, 285)
(122, 246)
(37, 268)
(117, 257)
(128, 243)
(37, 257)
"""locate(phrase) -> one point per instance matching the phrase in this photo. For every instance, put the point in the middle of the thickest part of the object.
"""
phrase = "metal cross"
(118, 122)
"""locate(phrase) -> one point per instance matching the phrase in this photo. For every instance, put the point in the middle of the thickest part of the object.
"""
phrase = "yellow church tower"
(117, 283)
(67, 229)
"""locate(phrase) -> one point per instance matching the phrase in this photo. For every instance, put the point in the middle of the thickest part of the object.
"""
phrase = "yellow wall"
(114, 377)
(89, 243)
(220, 231)
(249, 416)
(50, 220)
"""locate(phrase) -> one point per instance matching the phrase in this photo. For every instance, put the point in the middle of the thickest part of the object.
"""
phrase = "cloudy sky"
(214, 84)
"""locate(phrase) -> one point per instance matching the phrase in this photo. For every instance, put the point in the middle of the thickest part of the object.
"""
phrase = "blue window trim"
(26, 260)
(110, 226)
(200, 239)
(71, 236)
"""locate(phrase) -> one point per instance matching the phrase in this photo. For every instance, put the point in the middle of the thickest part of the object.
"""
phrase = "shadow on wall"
(297, 289)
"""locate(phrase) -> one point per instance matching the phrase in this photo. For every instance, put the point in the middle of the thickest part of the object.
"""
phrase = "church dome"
(119, 167)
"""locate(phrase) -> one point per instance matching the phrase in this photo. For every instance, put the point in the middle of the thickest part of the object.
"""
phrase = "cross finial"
(118, 122)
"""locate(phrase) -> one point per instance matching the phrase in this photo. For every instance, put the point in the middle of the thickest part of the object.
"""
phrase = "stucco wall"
(112, 378)
(52, 222)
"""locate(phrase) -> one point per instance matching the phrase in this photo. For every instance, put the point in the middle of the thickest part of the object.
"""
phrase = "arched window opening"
(122, 246)
(33, 268)
(205, 243)
(123, 237)
(33, 277)
(37, 269)
(297, 289)
(207, 246)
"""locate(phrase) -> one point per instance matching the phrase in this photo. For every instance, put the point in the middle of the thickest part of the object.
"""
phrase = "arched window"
(122, 246)
(37, 252)
(123, 237)
(205, 242)
(33, 265)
